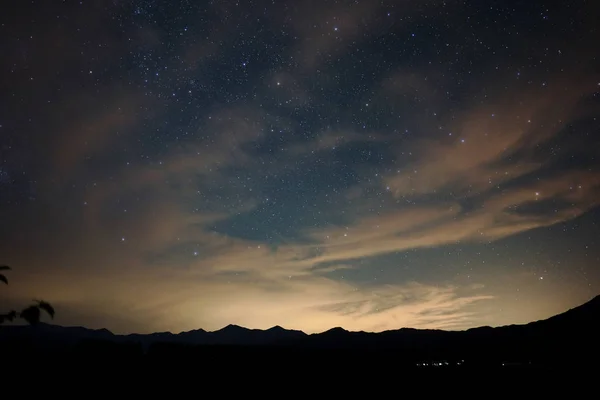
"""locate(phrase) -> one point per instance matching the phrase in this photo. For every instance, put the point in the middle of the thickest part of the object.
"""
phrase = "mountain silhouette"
(560, 338)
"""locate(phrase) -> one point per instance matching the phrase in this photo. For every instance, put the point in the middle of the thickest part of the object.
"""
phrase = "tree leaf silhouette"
(31, 314)
(2, 276)
(44, 305)
(8, 317)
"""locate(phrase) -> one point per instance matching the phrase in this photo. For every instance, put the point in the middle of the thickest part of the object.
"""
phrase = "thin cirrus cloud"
(236, 280)
(311, 303)
(287, 284)
(139, 232)
(493, 143)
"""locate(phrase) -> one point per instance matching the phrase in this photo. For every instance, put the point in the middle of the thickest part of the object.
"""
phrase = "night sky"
(310, 164)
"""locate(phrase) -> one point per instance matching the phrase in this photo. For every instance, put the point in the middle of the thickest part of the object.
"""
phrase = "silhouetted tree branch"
(31, 314)
(2, 276)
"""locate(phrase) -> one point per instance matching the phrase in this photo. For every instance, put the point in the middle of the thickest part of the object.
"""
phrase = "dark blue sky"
(195, 164)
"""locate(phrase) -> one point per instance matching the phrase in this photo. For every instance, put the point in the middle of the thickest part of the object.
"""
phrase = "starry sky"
(310, 164)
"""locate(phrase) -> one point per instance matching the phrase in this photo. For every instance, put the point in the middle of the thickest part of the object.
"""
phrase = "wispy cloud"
(491, 144)
(312, 303)
(146, 181)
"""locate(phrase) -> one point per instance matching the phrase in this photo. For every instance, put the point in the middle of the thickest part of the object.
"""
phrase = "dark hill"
(565, 338)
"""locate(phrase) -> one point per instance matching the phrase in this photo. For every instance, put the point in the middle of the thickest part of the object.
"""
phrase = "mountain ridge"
(593, 302)
(577, 324)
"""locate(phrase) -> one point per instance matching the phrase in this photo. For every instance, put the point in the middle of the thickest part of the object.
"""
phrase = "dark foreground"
(228, 367)
(101, 370)
(559, 356)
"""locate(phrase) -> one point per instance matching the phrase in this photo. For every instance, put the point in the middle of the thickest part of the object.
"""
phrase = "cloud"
(212, 186)
(210, 279)
(337, 26)
(108, 120)
(491, 144)
(497, 217)
(330, 30)
(313, 304)
(166, 244)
